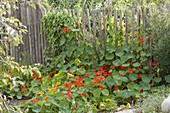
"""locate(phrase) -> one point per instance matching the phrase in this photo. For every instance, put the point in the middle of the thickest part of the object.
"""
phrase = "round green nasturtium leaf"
(136, 64)
(62, 41)
(109, 56)
(120, 54)
(82, 71)
(124, 79)
(19, 96)
(105, 92)
(109, 81)
(97, 92)
(145, 79)
(144, 86)
(36, 109)
(116, 62)
(167, 78)
(64, 104)
(44, 87)
(111, 50)
(133, 77)
(158, 79)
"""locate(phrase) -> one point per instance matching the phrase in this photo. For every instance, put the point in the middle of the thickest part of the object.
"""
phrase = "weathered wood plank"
(126, 25)
(115, 28)
(133, 25)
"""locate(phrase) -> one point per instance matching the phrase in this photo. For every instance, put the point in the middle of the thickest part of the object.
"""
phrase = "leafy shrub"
(152, 103)
(161, 48)
(15, 79)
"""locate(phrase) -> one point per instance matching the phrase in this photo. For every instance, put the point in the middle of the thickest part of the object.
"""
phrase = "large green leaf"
(62, 41)
(133, 77)
(116, 62)
(120, 54)
(97, 92)
(105, 92)
(109, 81)
(36, 109)
(167, 78)
(109, 56)
(64, 104)
(145, 79)
(158, 79)
(136, 64)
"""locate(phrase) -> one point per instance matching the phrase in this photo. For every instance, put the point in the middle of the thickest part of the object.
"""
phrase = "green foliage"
(74, 4)
(14, 80)
(159, 31)
(152, 103)
(11, 29)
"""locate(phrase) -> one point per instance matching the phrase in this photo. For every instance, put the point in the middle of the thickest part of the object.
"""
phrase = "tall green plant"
(159, 32)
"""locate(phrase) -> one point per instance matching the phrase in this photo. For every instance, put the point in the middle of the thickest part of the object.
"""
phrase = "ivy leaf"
(97, 93)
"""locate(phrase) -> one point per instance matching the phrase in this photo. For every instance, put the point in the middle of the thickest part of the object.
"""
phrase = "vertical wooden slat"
(126, 25)
(94, 25)
(133, 25)
(115, 28)
(88, 20)
(100, 27)
(83, 23)
(120, 18)
(78, 16)
(144, 24)
(29, 33)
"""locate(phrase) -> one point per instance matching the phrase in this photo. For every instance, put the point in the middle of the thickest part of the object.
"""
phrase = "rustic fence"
(94, 23)
(34, 41)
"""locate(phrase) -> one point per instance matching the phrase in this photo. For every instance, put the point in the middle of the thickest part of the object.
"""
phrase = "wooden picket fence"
(94, 25)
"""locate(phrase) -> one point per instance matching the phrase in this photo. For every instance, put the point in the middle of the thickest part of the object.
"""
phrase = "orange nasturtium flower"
(82, 94)
(59, 28)
(139, 76)
(101, 87)
(45, 98)
(116, 88)
(153, 64)
(23, 89)
(130, 71)
(22, 102)
(77, 25)
(69, 94)
(26, 84)
(140, 40)
(35, 100)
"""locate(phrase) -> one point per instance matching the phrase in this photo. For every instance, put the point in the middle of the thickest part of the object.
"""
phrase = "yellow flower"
(69, 76)
(41, 93)
(128, 106)
(56, 84)
(11, 87)
(56, 75)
